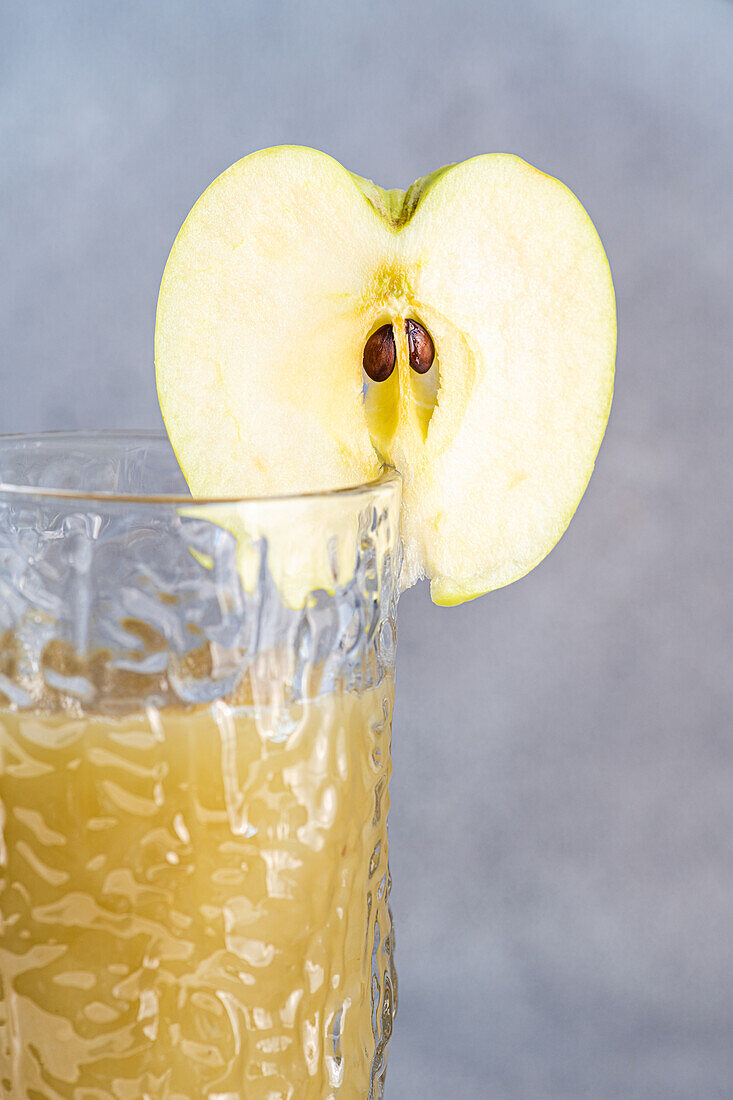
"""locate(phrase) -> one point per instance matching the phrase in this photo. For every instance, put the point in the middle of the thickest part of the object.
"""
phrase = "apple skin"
(286, 266)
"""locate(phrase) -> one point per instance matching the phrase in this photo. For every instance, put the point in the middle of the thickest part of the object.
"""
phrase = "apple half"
(289, 269)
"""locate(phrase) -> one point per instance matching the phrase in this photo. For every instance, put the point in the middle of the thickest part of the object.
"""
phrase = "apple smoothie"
(362, 388)
(190, 909)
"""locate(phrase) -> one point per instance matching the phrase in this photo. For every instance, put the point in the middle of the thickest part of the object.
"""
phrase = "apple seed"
(422, 349)
(380, 354)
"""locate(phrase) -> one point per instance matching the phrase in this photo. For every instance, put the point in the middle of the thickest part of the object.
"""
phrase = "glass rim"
(387, 476)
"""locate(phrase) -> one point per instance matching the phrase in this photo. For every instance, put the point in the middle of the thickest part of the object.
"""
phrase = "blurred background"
(562, 822)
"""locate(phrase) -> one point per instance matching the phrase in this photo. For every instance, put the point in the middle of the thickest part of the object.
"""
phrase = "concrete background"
(562, 829)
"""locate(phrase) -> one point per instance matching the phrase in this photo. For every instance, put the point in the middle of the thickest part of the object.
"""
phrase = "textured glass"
(195, 723)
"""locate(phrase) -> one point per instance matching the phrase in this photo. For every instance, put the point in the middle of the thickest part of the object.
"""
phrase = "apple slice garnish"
(311, 326)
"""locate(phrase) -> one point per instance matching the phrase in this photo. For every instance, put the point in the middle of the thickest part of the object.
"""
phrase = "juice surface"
(191, 909)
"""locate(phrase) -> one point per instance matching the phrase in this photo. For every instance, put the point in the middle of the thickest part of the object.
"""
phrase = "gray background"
(562, 830)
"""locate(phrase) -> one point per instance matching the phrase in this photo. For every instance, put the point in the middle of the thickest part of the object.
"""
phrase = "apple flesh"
(288, 265)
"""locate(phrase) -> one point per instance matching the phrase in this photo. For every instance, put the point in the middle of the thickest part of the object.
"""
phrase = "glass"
(195, 723)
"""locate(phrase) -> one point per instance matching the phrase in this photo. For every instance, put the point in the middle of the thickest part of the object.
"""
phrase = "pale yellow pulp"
(190, 909)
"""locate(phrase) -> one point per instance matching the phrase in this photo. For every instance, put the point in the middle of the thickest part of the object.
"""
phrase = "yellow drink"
(190, 909)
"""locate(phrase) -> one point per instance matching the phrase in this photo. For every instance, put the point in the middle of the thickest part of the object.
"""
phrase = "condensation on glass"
(195, 723)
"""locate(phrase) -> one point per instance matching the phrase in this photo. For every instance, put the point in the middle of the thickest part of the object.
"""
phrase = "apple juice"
(193, 909)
